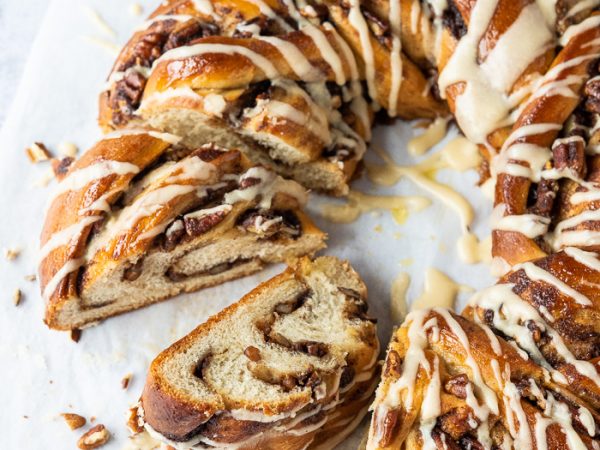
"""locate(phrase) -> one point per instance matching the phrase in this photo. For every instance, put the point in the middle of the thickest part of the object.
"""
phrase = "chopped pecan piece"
(38, 152)
(570, 154)
(252, 353)
(197, 225)
(95, 437)
(75, 335)
(74, 421)
(188, 31)
(126, 380)
(393, 364)
(592, 91)
(388, 426)
(457, 385)
(312, 348)
(133, 421)
(456, 422)
(60, 167)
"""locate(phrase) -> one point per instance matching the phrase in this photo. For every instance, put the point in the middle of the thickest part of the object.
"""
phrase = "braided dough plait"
(451, 383)
(139, 218)
(289, 364)
(280, 81)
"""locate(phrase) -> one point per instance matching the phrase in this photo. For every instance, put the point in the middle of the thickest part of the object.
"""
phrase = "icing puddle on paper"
(359, 203)
(459, 154)
(398, 297)
(434, 133)
(439, 290)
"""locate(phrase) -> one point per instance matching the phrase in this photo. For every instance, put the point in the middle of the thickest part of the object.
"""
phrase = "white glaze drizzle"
(511, 313)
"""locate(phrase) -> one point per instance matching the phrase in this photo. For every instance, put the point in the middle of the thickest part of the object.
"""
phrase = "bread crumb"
(31, 277)
(126, 380)
(67, 149)
(38, 152)
(74, 421)
(92, 419)
(17, 297)
(378, 228)
(11, 253)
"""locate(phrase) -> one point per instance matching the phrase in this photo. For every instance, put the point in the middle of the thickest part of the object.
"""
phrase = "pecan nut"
(95, 437)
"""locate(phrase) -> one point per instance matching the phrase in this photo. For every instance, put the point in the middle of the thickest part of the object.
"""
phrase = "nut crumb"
(126, 380)
(38, 152)
(92, 419)
(17, 297)
(11, 253)
(75, 335)
(74, 421)
(95, 437)
(31, 277)
(68, 149)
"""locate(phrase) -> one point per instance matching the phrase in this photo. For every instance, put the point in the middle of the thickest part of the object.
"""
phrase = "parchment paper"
(43, 373)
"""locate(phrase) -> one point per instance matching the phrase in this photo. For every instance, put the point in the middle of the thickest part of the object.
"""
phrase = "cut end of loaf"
(275, 366)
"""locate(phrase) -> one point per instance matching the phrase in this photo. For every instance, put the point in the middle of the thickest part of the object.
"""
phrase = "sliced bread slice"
(291, 365)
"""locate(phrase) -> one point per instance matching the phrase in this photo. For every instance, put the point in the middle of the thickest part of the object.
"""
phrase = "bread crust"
(87, 238)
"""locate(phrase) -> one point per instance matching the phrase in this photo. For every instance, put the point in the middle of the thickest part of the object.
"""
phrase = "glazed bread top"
(206, 49)
(451, 383)
(138, 191)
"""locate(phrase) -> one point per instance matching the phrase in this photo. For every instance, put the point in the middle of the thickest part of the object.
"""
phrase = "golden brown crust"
(65, 209)
(513, 191)
(117, 201)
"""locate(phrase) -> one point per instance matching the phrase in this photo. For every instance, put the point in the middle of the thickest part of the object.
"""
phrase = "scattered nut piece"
(95, 437)
(61, 166)
(11, 253)
(68, 149)
(92, 419)
(126, 380)
(74, 421)
(75, 335)
(133, 422)
(31, 277)
(17, 297)
(37, 152)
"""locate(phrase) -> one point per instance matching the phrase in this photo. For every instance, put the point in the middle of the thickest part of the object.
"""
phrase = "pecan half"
(74, 421)
(95, 437)
(457, 385)
(197, 226)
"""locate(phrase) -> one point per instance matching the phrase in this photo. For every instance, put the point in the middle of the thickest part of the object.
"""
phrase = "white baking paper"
(42, 372)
